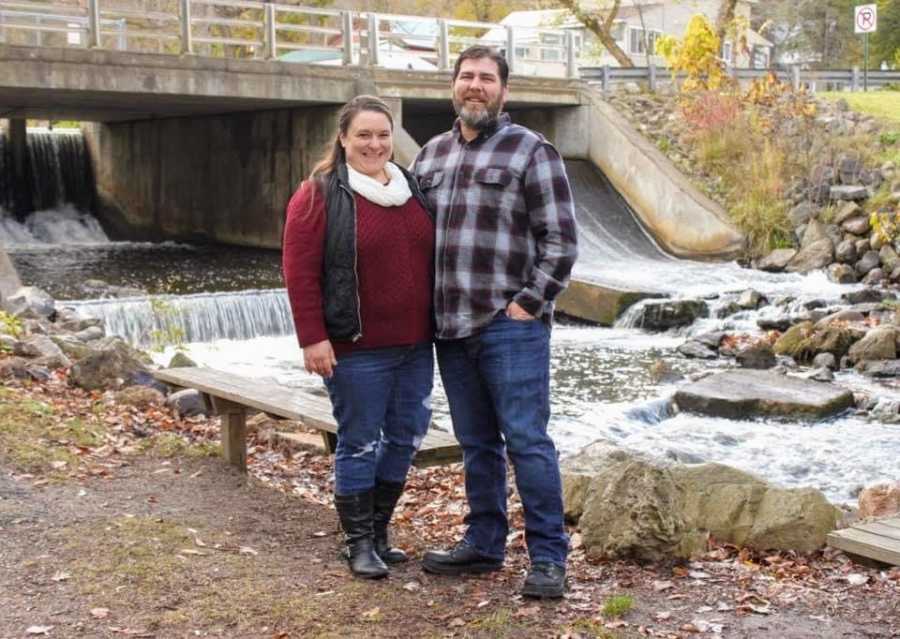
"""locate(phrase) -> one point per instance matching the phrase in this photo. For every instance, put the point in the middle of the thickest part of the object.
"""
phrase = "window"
(521, 52)
(760, 58)
(726, 52)
(636, 40)
(551, 39)
(551, 55)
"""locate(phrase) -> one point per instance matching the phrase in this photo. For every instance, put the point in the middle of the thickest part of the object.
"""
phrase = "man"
(505, 247)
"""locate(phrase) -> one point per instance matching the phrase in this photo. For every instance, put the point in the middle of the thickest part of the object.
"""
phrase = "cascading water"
(58, 171)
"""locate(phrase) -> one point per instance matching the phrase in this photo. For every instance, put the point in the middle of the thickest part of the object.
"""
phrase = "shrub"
(696, 54)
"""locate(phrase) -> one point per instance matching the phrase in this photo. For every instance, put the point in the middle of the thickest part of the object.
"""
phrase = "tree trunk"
(602, 28)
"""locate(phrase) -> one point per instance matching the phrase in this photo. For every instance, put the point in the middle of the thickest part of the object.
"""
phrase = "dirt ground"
(132, 536)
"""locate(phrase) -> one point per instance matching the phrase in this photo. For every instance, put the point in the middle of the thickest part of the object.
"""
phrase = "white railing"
(253, 29)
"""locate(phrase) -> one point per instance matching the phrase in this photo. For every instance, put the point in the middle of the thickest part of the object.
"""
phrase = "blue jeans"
(381, 399)
(498, 386)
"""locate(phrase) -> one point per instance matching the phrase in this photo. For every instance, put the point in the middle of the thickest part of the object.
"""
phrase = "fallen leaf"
(191, 551)
(320, 533)
(247, 550)
(662, 616)
(698, 574)
(456, 623)
(660, 586)
(60, 576)
(100, 613)
(38, 630)
(411, 586)
(371, 614)
(856, 579)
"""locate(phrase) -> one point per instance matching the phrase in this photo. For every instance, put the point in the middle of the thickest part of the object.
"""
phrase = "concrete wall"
(222, 178)
(683, 220)
(9, 278)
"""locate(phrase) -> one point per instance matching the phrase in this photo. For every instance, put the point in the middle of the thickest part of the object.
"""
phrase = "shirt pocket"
(496, 189)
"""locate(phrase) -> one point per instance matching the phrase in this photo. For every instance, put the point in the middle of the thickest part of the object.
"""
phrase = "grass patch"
(594, 629)
(617, 606)
(175, 445)
(35, 440)
(884, 105)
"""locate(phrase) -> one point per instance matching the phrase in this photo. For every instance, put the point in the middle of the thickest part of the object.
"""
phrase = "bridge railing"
(268, 30)
(828, 79)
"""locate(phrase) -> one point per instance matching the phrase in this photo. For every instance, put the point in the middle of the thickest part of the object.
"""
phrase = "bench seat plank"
(438, 447)
(877, 540)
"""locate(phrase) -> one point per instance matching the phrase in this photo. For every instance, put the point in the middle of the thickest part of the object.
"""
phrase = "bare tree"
(601, 25)
(640, 9)
(725, 17)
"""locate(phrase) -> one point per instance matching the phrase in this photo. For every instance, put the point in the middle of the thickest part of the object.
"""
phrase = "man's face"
(478, 94)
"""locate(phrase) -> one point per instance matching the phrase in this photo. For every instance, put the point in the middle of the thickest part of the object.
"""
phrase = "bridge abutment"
(223, 178)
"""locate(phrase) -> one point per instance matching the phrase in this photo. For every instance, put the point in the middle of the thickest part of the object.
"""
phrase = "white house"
(638, 24)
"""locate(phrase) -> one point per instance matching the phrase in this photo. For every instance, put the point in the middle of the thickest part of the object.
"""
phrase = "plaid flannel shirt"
(505, 224)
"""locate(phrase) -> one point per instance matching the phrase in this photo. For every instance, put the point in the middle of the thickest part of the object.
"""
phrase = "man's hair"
(479, 51)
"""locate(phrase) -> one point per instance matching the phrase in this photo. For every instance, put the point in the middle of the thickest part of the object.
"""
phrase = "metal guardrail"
(854, 79)
(254, 29)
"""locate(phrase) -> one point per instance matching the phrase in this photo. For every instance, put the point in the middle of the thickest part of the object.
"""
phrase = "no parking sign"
(865, 18)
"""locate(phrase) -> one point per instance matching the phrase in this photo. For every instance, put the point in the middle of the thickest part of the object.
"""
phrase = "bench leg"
(234, 432)
(330, 441)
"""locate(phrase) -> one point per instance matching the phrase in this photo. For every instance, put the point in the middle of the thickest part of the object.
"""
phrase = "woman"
(358, 252)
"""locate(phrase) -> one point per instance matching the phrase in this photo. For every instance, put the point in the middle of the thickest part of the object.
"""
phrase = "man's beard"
(478, 119)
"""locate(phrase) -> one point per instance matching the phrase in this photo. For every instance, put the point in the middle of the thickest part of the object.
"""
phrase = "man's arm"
(551, 212)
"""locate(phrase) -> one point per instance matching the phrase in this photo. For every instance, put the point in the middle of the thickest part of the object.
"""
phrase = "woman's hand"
(516, 312)
(319, 358)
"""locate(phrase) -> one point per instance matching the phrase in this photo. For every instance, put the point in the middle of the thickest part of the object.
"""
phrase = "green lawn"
(882, 104)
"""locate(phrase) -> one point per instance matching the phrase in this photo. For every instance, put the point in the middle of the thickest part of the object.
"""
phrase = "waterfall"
(160, 320)
(58, 171)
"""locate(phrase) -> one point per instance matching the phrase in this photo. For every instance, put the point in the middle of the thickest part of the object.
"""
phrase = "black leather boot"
(355, 514)
(386, 496)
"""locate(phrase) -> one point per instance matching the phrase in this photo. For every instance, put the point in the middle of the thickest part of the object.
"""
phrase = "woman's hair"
(335, 153)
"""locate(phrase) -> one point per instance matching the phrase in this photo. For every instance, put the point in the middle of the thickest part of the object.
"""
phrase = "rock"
(895, 274)
(832, 338)
(744, 394)
(889, 258)
(873, 277)
(77, 324)
(825, 360)
(816, 255)
(845, 252)
(188, 403)
(814, 232)
(862, 246)
(842, 273)
(112, 368)
(73, 348)
(14, 367)
(849, 192)
(663, 315)
(751, 299)
(867, 262)
(862, 296)
(7, 342)
(878, 343)
(802, 213)
(843, 315)
(139, 397)
(37, 346)
(661, 372)
(180, 360)
(711, 339)
(90, 334)
(758, 356)
(845, 211)
(858, 225)
(879, 368)
(821, 375)
(30, 301)
(780, 324)
(697, 350)
(728, 310)
(52, 361)
(777, 260)
(794, 340)
(880, 500)
(629, 505)
(631, 88)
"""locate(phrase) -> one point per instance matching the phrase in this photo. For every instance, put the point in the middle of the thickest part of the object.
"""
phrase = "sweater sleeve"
(302, 254)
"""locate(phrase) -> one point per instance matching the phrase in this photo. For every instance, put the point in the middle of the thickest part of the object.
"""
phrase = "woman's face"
(368, 143)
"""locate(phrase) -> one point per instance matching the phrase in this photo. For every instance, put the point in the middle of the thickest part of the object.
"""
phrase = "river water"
(229, 305)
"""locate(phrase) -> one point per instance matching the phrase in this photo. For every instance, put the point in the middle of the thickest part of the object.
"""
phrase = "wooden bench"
(879, 540)
(232, 395)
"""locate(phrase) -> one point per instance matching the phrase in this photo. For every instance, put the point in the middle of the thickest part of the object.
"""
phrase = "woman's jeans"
(381, 400)
(498, 386)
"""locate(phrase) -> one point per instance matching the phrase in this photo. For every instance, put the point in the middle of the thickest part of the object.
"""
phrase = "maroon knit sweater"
(394, 265)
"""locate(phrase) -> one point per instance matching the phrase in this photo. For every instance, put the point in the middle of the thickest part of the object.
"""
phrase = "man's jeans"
(498, 386)
(381, 400)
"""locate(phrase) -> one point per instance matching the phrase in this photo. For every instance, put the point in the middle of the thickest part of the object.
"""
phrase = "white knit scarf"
(394, 193)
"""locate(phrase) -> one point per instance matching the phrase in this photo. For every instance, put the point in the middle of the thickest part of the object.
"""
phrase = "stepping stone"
(746, 394)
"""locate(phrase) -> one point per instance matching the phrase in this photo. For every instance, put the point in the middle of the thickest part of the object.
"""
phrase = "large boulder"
(30, 301)
(777, 260)
(631, 505)
(38, 346)
(108, 369)
(758, 355)
(878, 343)
(744, 394)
